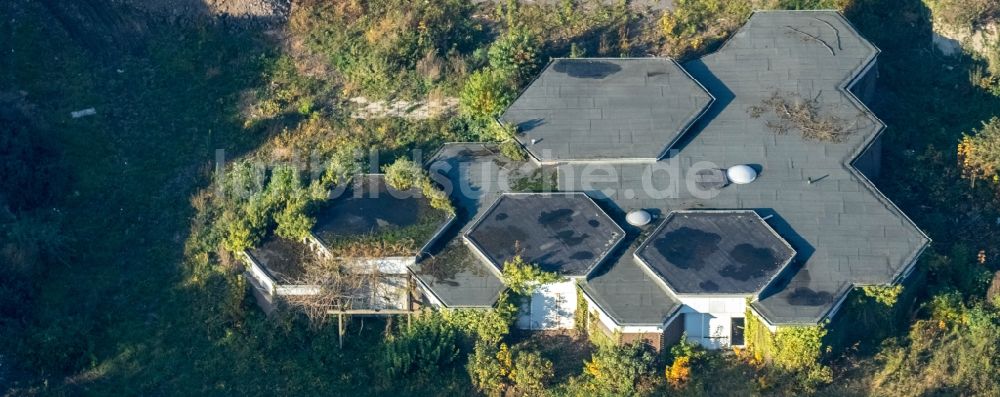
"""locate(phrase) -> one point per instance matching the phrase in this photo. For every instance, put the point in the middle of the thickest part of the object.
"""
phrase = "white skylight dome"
(741, 174)
(638, 218)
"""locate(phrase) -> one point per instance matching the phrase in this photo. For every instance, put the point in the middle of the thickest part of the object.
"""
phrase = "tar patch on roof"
(723, 252)
(562, 232)
(606, 109)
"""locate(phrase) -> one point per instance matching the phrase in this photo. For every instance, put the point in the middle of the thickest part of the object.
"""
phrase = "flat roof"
(627, 293)
(845, 231)
(715, 252)
(283, 259)
(369, 208)
(606, 109)
(477, 174)
(458, 279)
(562, 232)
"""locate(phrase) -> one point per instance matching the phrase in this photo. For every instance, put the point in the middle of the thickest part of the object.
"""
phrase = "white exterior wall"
(707, 319)
(431, 298)
(644, 329)
(551, 306)
(601, 316)
(258, 274)
(388, 265)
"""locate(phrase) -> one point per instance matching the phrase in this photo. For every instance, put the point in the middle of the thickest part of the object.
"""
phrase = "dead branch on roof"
(792, 112)
(342, 286)
(809, 37)
(835, 31)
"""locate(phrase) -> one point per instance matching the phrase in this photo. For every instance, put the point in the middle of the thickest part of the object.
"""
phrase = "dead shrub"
(791, 112)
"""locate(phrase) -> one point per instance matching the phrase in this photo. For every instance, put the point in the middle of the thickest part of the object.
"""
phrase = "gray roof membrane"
(562, 232)
(628, 294)
(844, 230)
(457, 278)
(606, 109)
(715, 252)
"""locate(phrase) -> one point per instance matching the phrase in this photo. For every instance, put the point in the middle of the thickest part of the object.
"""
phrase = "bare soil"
(266, 10)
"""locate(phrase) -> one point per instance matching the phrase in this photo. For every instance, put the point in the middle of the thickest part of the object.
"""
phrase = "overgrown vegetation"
(146, 294)
(382, 49)
(967, 14)
(524, 278)
(979, 152)
(694, 27)
(798, 350)
(387, 241)
(404, 175)
(617, 370)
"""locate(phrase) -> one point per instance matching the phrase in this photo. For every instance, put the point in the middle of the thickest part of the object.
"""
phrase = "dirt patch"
(414, 110)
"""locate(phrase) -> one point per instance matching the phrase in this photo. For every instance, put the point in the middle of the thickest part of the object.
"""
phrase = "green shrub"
(485, 370)
(515, 55)
(693, 26)
(293, 222)
(437, 197)
(979, 152)
(427, 346)
(524, 278)
(935, 359)
(486, 94)
(947, 308)
(617, 370)
(501, 131)
(531, 373)
(884, 294)
(342, 166)
(488, 325)
(582, 312)
(382, 48)
(403, 175)
(511, 149)
(497, 371)
(796, 349)
(958, 271)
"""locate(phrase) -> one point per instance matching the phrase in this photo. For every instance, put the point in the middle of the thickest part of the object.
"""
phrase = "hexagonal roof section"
(715, 252)
(371, 214)
(457, 278)
(562, 232)
(606, 109)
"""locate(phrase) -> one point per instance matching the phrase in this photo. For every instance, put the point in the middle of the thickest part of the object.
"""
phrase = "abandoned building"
(687, 196)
